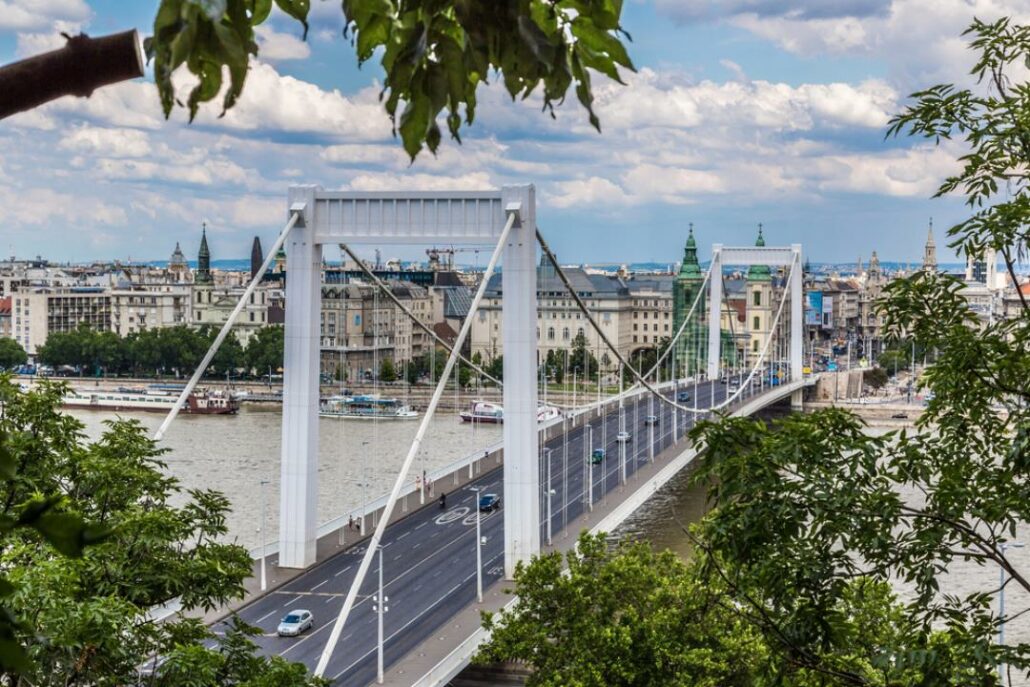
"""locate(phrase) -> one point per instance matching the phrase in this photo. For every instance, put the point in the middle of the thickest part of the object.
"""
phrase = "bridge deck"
(429, 556)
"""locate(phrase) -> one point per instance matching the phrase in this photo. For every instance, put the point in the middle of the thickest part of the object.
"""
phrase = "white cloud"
(701, 10)
(274, 102)
(654, 99)
(107, 142)
(594, 191)
(38, 206)
(276, 47)
(37, 14)
(920, 41)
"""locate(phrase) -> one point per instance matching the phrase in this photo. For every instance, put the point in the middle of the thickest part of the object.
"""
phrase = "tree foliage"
(582, 361)
(435, 54)
(85, 609)
(807, 507)
(387, 371)
(621, 617)
(875, 377)
(164, 350)
(265, 349)
(11, 354)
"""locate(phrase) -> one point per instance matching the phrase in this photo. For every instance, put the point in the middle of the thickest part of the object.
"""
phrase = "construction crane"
(447, 254)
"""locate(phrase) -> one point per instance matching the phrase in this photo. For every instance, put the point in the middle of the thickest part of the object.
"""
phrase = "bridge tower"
(405, 218)
(762, 257)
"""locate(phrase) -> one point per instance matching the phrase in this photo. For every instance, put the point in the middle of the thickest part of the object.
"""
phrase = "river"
(358, 460)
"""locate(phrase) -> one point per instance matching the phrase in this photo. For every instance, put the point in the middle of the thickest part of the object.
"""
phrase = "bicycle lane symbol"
(452, 515)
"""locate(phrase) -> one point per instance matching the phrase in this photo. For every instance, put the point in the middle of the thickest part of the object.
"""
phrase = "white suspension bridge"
(431, 577)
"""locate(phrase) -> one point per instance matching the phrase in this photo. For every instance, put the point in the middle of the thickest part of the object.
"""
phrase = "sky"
(740, 112)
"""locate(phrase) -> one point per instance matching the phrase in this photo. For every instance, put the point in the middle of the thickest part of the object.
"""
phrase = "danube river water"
(358, 460)
(681, 502)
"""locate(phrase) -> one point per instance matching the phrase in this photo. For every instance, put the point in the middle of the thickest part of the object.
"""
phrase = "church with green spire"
(692, 347)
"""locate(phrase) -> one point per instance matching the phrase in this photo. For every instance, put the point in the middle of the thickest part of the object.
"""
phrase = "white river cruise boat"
(493, 413)
(199, 402)
(365, 408)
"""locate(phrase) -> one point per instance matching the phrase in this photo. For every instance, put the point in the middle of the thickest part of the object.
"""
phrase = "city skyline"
(736, 115)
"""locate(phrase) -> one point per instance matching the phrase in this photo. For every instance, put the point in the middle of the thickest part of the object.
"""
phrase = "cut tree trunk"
(81, 66)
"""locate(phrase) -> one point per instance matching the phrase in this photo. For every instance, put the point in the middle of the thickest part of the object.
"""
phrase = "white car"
(295, 622)
(622, 436)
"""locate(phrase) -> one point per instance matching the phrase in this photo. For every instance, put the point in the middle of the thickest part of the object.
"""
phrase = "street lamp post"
(650, 426)
(380, 607)
(1001, 605)
(590, 459)
(479, 550)
(264, 539)
(550, 492)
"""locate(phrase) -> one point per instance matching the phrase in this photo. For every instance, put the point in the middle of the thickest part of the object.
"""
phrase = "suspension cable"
(641, 380)
(396, 301)
(377, 534)
(188, 389)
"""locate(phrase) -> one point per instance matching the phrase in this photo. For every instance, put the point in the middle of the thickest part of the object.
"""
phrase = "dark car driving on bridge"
(489, 502)
(597, 456)
(682, 396)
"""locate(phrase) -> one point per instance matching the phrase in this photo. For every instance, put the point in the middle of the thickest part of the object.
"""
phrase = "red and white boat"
(199, 402)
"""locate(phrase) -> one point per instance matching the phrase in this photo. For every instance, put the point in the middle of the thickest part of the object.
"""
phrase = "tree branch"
(81, 66)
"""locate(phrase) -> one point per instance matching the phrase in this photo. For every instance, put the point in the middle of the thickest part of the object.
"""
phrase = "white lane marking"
(320, 584)
(290, 603)
(264, 617)
(402, 536)
(418, 527)
(452, 515)
(343, 571)
(439, 550)
(330, 599)
(417, 617)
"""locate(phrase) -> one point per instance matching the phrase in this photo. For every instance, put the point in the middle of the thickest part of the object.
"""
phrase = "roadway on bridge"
(429, 557)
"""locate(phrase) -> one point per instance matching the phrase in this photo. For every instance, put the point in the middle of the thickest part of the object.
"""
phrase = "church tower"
(204, 260)
(257, 256)
(759, 306)
(930, 251)
(692, 346)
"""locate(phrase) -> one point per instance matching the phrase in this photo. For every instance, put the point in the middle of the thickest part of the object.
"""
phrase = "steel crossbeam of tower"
(757, 255)
(478, 217)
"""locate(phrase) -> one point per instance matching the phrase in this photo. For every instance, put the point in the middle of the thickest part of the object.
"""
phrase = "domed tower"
(177, 267)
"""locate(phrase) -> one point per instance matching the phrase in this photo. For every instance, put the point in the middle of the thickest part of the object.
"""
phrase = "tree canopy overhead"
(435, 53)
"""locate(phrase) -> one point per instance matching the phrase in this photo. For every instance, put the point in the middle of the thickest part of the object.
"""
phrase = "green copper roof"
(759, 272)
(691, 268)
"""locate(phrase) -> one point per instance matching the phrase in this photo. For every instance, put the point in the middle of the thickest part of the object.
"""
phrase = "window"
(757, 324)
(565, 334)
(754, 345)
(758, 297)
(634, 339)
(550, 333)
(634, 327)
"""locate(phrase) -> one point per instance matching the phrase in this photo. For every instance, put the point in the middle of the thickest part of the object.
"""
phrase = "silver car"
(295, 622)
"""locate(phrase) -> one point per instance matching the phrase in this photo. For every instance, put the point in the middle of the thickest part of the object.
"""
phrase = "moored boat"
(493, 413)
(125, 399)
(365, 408)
